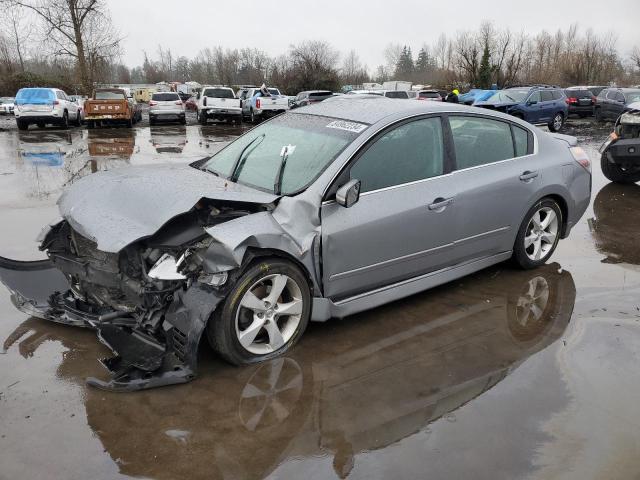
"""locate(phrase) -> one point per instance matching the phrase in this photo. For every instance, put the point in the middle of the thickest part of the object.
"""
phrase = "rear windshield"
(273, 91)
(578, 93)
(218, 93)
(320, 94)
(165, 97)
(109, 95)
(429, 95)
(396, 95)
(35, 96)
(309, 142)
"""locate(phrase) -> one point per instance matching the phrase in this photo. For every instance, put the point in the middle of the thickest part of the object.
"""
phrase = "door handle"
(440, 203)
(527, 175)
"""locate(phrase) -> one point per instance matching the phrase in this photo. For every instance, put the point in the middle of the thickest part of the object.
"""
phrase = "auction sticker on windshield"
(349, 126)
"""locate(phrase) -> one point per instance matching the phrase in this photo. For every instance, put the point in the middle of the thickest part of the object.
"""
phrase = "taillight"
(257, 103)
(580, 156)
(572, 100)
(56, 102)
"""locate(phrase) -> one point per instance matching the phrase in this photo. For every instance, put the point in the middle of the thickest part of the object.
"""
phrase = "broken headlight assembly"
(630, 118)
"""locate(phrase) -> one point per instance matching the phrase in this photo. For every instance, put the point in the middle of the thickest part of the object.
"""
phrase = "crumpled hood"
(117, 207)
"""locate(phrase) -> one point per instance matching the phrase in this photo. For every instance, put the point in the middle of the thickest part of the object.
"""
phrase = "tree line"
(72, 44)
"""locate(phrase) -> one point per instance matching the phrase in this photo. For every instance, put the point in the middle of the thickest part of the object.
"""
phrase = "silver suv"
(166, 106)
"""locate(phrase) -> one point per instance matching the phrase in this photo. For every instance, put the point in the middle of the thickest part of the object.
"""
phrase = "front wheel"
(556, 123)
(615, 173)
(263, 315)
(538, 235)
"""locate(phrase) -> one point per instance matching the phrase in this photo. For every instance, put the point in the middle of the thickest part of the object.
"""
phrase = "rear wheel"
(557, 122)
(539, 234)
(90, 124)
(264, 314)
(202, 118)
(22, 125)
(152, 121)
(40, 124)
(77, 121)
(253, 117)
(65, 120)
(616, 173)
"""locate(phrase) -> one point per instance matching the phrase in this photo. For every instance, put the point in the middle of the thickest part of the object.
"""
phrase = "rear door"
(547, 106)
(495, 177)
(404, 223)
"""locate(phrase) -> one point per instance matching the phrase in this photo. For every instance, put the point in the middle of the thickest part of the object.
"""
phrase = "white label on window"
(349, 126)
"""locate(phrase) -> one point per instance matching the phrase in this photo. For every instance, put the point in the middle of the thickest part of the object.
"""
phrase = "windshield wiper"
(239, 163)
(277, 185)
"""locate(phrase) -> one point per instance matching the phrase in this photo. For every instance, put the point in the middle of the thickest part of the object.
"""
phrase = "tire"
(65, 120)
(616, 174)
(556, 123)
(130, 123)
(231, 319)
(41, 124)
(152, 121)
(598, 114)
(183, 120)
(22, 125)
(252, 117)
(91, 124)
(531, 248)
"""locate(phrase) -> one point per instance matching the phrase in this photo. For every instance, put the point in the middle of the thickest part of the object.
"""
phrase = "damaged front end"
(149, 302)
(622, 147)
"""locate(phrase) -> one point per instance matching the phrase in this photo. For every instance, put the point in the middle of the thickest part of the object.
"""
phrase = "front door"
(404, 223)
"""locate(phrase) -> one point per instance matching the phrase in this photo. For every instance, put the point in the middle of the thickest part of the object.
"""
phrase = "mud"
(504, 374)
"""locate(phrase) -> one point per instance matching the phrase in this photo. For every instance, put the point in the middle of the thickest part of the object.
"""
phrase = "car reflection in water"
(349, 387)
(615, 226)
(169, 139)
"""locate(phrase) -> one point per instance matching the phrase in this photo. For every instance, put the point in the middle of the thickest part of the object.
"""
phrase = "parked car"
(538, 104)
(218, 103)
(191, 104)
(620, 154)
(429, 95)
(311, 96)
(45, 106)
(580, 100)
(166, 106)
(475, 95)
(611, 102)
(110, 106)
(256, 106)
(400, 94)
(297, 219)
(7, 105)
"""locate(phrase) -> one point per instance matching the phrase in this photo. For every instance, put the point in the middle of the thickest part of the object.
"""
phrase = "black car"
(613, 101)
(620, 159)
(310, 96)
(580, 101)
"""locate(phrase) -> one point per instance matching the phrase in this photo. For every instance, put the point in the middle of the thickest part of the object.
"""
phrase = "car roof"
(365, 111)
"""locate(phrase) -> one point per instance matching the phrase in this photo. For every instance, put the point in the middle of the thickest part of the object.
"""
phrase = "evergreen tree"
(423, 62)
(405, 62)
(485, 71)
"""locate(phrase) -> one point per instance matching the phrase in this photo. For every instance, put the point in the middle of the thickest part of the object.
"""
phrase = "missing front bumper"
(141, 359)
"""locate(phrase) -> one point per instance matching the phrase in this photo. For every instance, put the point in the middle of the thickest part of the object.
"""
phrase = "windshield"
(218, 93)
(109, 95)
(632, 96)
(308, 143)
(511, 95)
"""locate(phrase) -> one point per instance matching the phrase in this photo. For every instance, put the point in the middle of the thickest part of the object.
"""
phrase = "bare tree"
(353, 72)
(635, 57)
(19, 30)
(74, 28)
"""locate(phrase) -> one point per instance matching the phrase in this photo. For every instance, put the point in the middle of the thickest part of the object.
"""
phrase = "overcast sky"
(366, 26)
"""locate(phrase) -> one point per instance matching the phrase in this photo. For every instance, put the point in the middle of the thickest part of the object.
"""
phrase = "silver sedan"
(322, 212)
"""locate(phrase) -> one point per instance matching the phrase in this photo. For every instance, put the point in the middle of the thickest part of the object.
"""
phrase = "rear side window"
(557, 94)
(320, 94)
(218, 93)
(520, 140)
(165, 97)
(413, 151)
(546, 96)
(479, 141)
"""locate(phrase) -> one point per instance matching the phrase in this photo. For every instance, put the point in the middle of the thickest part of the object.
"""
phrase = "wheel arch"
(255, 253)
(564, 208)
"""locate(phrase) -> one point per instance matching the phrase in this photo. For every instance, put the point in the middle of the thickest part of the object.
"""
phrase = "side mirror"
(348, 194)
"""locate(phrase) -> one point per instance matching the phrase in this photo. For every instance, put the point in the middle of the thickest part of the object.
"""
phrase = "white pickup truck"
(256, 106)
(218, 103)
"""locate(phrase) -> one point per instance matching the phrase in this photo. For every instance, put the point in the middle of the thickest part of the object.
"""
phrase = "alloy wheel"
(541, 233)
(269, 314)
(557, 122)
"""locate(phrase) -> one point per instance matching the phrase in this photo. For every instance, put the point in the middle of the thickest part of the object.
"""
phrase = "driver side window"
(534, 97)
(407, 153)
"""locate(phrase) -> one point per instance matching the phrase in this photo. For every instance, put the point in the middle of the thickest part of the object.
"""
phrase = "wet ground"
(504, 374)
